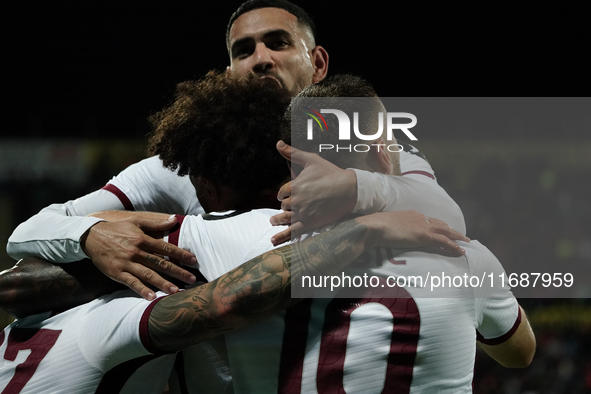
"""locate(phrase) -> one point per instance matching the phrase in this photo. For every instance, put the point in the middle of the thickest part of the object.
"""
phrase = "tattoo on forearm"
(252, 291)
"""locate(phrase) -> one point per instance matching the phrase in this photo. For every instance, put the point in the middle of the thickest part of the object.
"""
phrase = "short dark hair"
(298, 12)
(225, 129)
(336, 92)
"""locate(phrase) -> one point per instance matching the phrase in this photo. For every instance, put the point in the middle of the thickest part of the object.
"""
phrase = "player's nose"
(263, 61)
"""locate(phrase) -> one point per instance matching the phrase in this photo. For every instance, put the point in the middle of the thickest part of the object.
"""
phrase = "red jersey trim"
(175, 231)
(502, 338)
(174, 234)
(120, 195)
(144, 332)
(420, 173)
(173, 238)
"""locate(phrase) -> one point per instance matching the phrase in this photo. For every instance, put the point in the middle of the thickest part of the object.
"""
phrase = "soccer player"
(271, 39)
(95, 347)
(112, 344)
(205, 116)
(407, 338)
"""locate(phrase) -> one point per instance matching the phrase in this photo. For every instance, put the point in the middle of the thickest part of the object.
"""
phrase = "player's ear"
(207, 193)
(209, 189)
(320, 62)
(381, 157)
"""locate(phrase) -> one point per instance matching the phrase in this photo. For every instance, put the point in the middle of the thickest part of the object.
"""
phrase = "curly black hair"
(224, 129)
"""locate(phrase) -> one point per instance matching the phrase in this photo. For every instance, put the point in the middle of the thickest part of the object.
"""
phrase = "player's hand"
(321, 194)
(123, 251)
(413, 230)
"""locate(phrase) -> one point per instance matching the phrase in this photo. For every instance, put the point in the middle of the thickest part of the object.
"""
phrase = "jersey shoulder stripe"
(120, 195)
(502, 338)
(419, 172)
(173, 238)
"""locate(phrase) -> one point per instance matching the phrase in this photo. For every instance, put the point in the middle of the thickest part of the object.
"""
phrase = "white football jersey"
(415, 340)
(93, 348)
(54, 233)
(415, 343)
(223, 241)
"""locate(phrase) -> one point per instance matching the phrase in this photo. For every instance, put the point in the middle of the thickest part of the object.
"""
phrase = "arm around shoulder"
(252, 291)
(33, 286)
(54, 233)
(263, 286)
(386, 193)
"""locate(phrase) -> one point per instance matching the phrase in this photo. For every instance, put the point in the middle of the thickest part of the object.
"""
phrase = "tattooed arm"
(262, 286)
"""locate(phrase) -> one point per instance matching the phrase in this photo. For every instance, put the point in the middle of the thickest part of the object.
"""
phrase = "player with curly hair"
(195, 136)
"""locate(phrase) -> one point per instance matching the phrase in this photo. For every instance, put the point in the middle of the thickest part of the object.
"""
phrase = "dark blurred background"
(80, 78)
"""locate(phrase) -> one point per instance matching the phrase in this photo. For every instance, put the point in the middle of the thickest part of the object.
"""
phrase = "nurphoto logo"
(344, 129)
